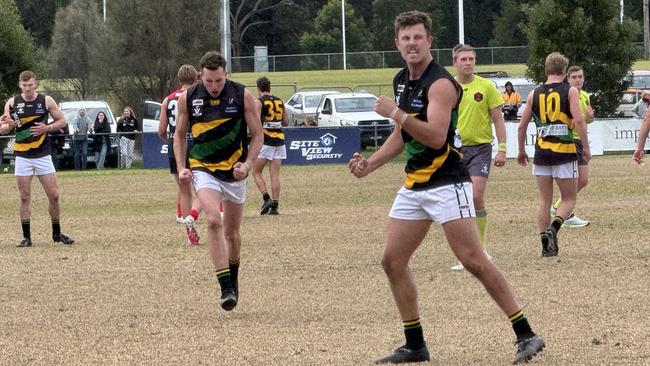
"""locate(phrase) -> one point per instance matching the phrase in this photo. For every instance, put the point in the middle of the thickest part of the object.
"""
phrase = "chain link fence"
(114, 150)
(372, 59)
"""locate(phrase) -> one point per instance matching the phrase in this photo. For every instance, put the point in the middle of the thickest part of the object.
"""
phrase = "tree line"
(136, 51)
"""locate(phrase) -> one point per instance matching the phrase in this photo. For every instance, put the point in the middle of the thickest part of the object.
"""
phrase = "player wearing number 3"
(557, 115)
(271, 110)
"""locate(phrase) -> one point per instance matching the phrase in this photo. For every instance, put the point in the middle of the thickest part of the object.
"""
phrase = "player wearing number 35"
(271, 109)
(557, 115)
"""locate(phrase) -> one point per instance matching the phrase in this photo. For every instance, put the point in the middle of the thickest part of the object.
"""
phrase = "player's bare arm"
(57, 116)
(500, 128)
(162, 127)
(643, 135)
(254, 124)
(393, 146)
(285, 119)
(522, 157)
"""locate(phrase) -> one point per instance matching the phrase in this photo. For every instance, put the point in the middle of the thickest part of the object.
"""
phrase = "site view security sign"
(321, 145)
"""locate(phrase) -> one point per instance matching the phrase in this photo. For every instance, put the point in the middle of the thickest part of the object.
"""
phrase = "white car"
(151, 117)
(301, 107)
(71, 110)
(355, 109)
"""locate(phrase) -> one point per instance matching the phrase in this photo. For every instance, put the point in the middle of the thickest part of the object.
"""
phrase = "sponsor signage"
(321, 145)
(304, 146)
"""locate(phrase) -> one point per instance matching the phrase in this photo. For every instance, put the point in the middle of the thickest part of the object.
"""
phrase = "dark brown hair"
(212, 60)
(411, 18)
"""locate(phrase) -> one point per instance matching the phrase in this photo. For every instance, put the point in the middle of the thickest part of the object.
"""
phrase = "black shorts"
(172, 158)
(581, 159)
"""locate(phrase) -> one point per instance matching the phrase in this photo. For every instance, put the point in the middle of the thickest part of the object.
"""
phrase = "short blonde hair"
(556, 64)
(187, 74)
(461, 48)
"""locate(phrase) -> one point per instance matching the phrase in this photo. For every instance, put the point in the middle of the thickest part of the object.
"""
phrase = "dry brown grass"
(313, 293)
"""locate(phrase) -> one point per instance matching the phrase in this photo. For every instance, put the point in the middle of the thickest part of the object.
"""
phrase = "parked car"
(355, 109)
(301, 107)
(640, 79)
(70, 111)
(151, 116)
(521, 85)
(628, 100)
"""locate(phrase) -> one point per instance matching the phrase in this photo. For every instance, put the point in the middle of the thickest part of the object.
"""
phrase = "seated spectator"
(511, 102)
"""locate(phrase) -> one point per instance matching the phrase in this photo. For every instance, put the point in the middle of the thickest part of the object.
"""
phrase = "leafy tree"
(606, 55)
(74, 41)
(479, 18)
(327, 34)
(17, 52)
(250, 14)
(143, 47)
(384, 13)
(37, 17)
(507, 26)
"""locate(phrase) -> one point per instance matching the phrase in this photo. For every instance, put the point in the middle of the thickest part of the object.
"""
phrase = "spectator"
(127, 125)
(511, 102)
(82, 126)
(641, 107)
(101, 142)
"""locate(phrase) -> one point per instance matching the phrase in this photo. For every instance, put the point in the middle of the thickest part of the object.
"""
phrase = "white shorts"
(230, 191)
(26, 167)
(273, 152)
(563, 171)
(440, 205)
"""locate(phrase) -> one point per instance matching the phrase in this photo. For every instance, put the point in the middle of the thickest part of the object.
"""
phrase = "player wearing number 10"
(271, 109)
(557, 115)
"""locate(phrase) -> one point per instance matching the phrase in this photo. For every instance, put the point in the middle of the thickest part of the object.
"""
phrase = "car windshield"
(70, 114)
(641, 82)
(355, 104)
(311, 101)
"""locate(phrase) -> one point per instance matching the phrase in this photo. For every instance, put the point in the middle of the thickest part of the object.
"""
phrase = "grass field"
(131, 291)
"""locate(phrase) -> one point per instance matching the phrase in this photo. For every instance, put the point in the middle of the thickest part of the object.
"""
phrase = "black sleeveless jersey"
(427, 167)
(219, 129)
(555, 129)
(30, 113)
(272, 117)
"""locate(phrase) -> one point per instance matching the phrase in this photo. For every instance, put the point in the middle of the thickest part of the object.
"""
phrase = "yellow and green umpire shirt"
(584, 103)
(30, 113)
(554, 144)
(218, 126)
(474, 121)
(426, 167)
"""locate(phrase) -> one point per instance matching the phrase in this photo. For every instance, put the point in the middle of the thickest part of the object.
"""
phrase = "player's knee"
(473, 263)
(214, 220)
(391, 264)
(231, 236)
(53, 197)
(25, 197)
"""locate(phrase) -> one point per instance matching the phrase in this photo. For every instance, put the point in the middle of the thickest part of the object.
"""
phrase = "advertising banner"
(154, 151)
(321, 145)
